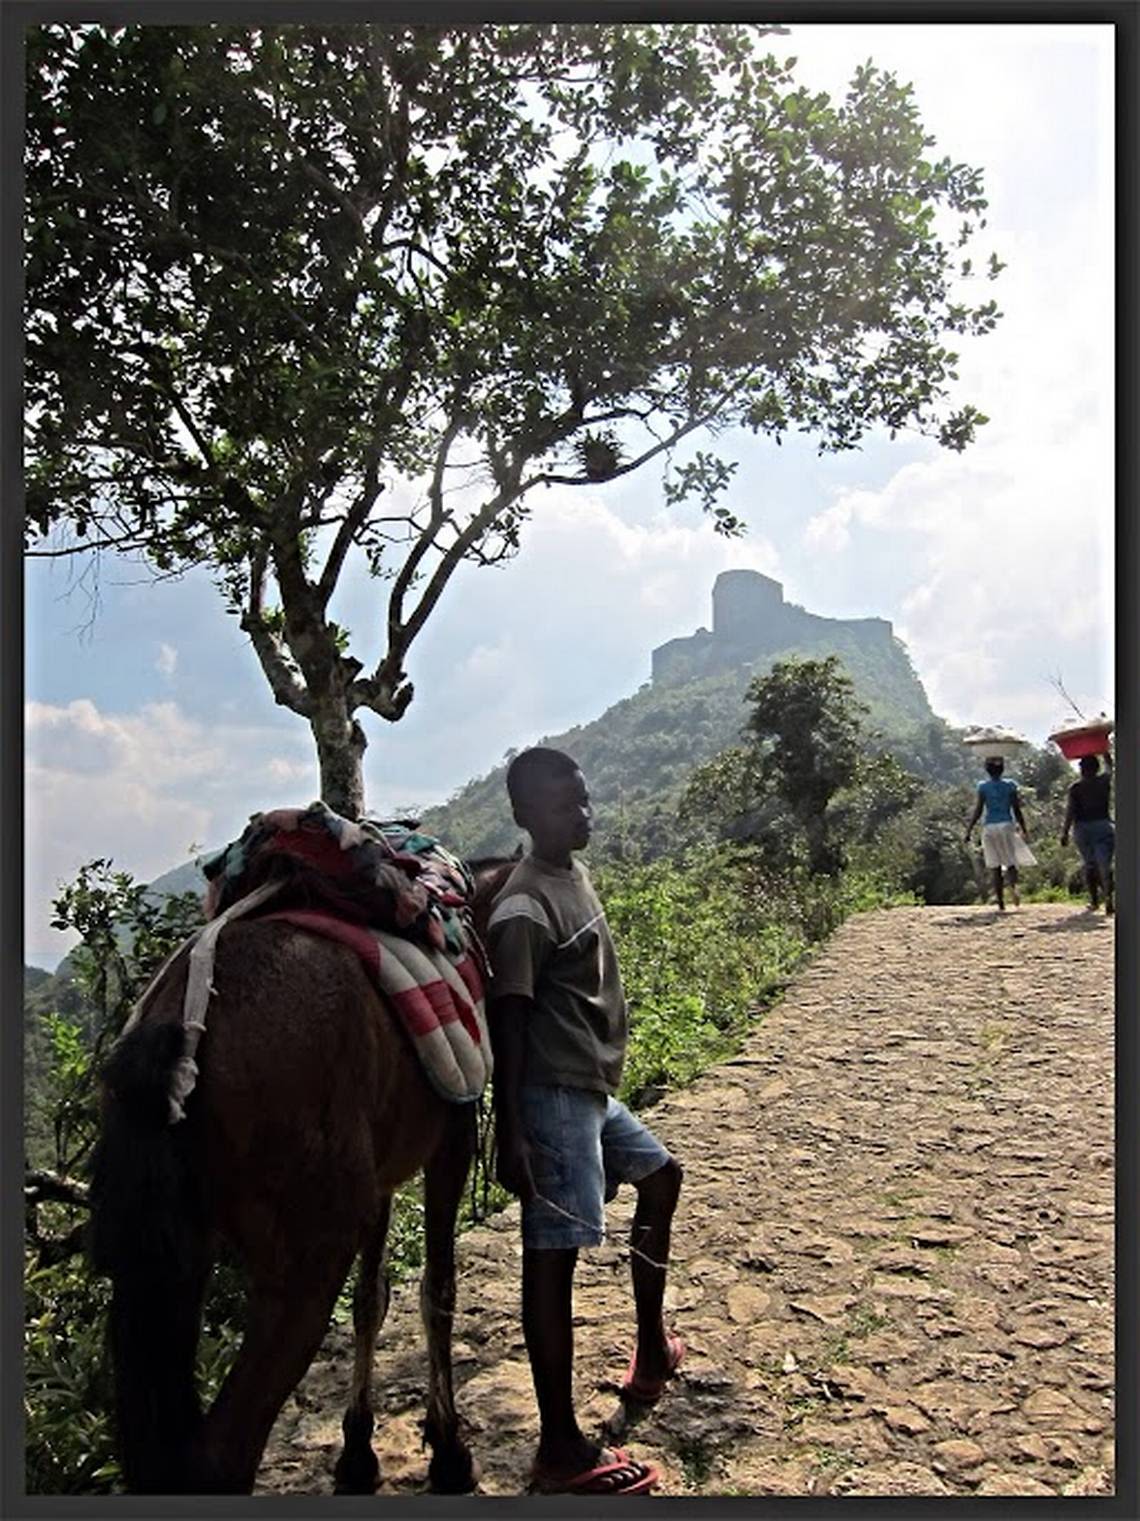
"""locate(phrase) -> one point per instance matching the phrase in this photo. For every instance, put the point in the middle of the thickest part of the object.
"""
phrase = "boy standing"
(559, 1030)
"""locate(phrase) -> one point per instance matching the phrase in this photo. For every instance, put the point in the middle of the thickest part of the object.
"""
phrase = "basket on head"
(1077, 740)
(994, 743)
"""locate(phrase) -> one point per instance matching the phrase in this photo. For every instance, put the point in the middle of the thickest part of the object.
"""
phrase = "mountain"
(752, 626)
(186, 878)
(638, 754)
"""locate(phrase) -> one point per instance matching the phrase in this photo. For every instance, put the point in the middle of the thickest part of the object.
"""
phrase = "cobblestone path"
(892, 1260)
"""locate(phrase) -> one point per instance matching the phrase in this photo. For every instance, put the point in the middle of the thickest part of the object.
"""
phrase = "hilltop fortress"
(752, 625)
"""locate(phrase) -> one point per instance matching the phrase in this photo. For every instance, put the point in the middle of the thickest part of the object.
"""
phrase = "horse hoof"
(452, 1472)
(356, 1474)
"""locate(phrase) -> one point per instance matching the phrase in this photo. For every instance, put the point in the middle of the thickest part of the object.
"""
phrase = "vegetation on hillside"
(640, 753)
(812, 785)
(69, 1023)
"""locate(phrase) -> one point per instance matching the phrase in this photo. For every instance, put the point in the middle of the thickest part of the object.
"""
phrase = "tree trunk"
(341, 744)
(820, 854)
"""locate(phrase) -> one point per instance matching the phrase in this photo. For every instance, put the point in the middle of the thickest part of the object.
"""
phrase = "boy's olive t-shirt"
(548, 940)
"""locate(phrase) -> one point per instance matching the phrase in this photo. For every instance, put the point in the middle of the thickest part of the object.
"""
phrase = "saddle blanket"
(384, 874)
(438, 1000)
(371, 887)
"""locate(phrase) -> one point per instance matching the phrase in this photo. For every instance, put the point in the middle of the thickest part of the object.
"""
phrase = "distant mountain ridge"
(752, 623)
(637, 755)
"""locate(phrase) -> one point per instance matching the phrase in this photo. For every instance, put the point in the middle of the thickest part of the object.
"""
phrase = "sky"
(150, 733)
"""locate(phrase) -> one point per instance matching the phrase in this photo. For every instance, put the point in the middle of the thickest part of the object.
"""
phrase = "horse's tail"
(148, 1235)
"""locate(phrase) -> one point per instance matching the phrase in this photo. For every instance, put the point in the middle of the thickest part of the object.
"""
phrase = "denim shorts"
(582, 1145)
(1096, 841)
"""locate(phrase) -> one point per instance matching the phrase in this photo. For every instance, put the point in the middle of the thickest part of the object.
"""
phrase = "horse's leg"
(451, 1470)
(357, 1470)
(286, 1319)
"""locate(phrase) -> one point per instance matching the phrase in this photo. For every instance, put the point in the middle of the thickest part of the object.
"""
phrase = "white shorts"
(1004, 845)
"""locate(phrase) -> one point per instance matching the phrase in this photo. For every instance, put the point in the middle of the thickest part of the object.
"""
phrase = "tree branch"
(354, 520)
(397, 384)
(287, 690)
(412, 246)
(341, 197)
(474, 530)
(126, 543)
(548, 479)
(396, 627)
(166, 384)
(703, 419)
(42, 1186)
(386, 691)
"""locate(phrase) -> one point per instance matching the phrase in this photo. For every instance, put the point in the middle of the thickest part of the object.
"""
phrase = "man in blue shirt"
(1004, 843)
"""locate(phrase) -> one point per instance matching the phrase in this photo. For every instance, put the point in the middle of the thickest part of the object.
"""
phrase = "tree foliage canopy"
(804, 747)
(296, 291)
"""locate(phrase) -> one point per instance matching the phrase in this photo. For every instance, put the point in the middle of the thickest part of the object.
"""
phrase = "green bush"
(66, 1384)
(706, 941)
(125, 937)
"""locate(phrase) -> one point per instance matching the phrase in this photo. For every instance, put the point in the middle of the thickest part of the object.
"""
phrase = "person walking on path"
(1004, 842)
(1088, 817)
(559, 1031)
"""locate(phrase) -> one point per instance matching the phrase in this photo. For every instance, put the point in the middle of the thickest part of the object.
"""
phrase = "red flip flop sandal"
(624, 1476)
(647, 1391)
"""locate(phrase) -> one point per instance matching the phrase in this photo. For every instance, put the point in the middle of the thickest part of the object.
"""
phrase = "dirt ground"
(892, 1261)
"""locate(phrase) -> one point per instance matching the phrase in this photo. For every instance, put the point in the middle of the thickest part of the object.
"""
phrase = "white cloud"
(1009, 546)
(167, 660)
(488, 662)
(652, 578)
(281, 770)
(158, 742)
(143, 788)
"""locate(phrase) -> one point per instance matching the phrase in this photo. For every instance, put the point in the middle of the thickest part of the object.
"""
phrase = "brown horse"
(311, 1107)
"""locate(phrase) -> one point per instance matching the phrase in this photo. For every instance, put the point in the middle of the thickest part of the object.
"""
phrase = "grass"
(836, 1349)
(828, 1462)
(992, 1037)
(801, 1406)
(899, 1198)
(865, 1322)
(696, 1462)
(1050, 893)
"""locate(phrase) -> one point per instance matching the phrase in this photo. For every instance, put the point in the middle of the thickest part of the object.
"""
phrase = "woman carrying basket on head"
(1087, 816)
(1004, 841)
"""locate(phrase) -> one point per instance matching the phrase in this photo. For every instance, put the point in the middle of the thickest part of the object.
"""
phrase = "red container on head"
(1073, 743)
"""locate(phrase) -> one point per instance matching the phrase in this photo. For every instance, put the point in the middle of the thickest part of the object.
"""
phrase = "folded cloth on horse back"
(367, 872)
(399, 900)
(394, 896)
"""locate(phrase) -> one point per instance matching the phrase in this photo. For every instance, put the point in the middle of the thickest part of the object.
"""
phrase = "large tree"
(298, 291)
(805, 744)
